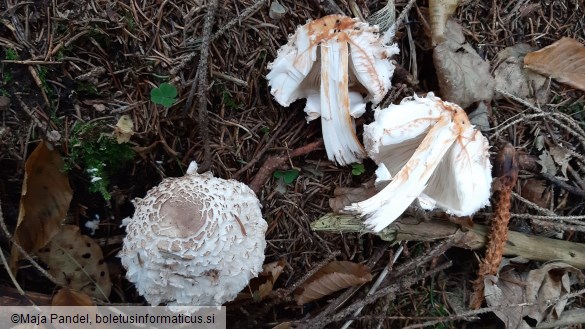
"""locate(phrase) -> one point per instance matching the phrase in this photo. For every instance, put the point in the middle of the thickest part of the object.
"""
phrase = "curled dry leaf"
(68, 297)
(563, 61)
(77, 262)
(44, 201)
(261, 286)
(534, 190)
(331, 278)
(536, 287)
(345, 196)
(512, 77)
(124, 129)
(464, 77)
(439, 13)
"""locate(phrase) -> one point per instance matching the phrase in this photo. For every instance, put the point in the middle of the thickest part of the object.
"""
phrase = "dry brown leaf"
(439, 13)
(563, 61)
(464, 77)
(511, 76)
(534, 190)
(124, 129)
(549, 282)
(345, 196)
(77, 262)
(68, 297)
(44, 201)
(331, 278)
(261, 286)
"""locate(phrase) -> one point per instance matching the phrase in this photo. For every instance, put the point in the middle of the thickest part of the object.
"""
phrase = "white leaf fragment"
(332, 62)
(433, 153)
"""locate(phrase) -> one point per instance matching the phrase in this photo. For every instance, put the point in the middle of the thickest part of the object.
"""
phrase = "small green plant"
(94, 150)
(228, 100)
(357, 169)
(287, 176)
(164, 95)
(11, 54)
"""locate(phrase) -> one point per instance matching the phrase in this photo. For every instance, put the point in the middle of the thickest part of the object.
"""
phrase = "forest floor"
(70, 69)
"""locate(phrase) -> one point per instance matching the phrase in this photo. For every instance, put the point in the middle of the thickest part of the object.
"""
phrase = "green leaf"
(168, 90)
(357, 169)
(164, 95)
(290, 175)
(278, 174)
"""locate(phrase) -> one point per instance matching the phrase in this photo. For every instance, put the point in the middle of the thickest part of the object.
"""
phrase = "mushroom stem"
(338, 127)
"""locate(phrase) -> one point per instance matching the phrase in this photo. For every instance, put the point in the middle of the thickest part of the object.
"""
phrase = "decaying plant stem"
(203, 121)
(507, 173)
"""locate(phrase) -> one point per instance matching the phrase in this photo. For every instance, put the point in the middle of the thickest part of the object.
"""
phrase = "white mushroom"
(433, 153)
(352, 60)
(194, 240)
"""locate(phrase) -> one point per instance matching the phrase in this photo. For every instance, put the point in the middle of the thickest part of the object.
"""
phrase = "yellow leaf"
(44, 201)
(124, 129)
(439, 13)
(331, 278)
(77, 262)
(563, 61)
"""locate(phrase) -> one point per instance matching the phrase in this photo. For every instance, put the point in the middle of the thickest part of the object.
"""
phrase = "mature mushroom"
(194, 240)
(352, 59)
(436, 156)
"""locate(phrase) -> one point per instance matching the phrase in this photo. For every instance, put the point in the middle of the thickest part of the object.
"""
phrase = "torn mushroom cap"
(194, 240)
(331, 62)
(433, 153)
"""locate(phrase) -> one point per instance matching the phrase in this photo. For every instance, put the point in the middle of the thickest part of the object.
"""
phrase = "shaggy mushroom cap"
(427, 150)
(332, 62)
(194, 240)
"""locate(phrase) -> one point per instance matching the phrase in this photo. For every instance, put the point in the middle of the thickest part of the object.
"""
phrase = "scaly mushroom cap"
(426, 149)
(194, 240)
(352, 60)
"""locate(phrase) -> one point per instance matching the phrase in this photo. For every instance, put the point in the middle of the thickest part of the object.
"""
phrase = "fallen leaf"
(44, 201)
(262, 285)
(124, 129)
(68, 297)
(345, 196)
(464, 77)
(561, 157)
(331, 278)
(506, 289)
(548, 282)
(563, 61)
(480, 117)
(77, 262)
(535, 191)
(511, 76)
(546, 161)
(439, 13)
(535, 288)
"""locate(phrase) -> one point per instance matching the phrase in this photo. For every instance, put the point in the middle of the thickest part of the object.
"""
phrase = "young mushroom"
(331, 62)
(431, 152)
(194, 240)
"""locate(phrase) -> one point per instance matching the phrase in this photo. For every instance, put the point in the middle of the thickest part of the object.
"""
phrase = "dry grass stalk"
(507, 171)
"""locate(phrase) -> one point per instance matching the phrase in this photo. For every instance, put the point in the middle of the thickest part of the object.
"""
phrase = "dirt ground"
(70, 64)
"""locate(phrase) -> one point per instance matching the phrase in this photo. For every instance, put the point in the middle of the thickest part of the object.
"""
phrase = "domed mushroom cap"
(194, 240)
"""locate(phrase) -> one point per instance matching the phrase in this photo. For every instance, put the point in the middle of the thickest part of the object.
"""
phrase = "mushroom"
(435, 155)
(352, 60)
(194, 240)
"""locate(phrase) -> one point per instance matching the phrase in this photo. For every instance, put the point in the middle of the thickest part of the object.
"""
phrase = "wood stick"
(408, 228)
